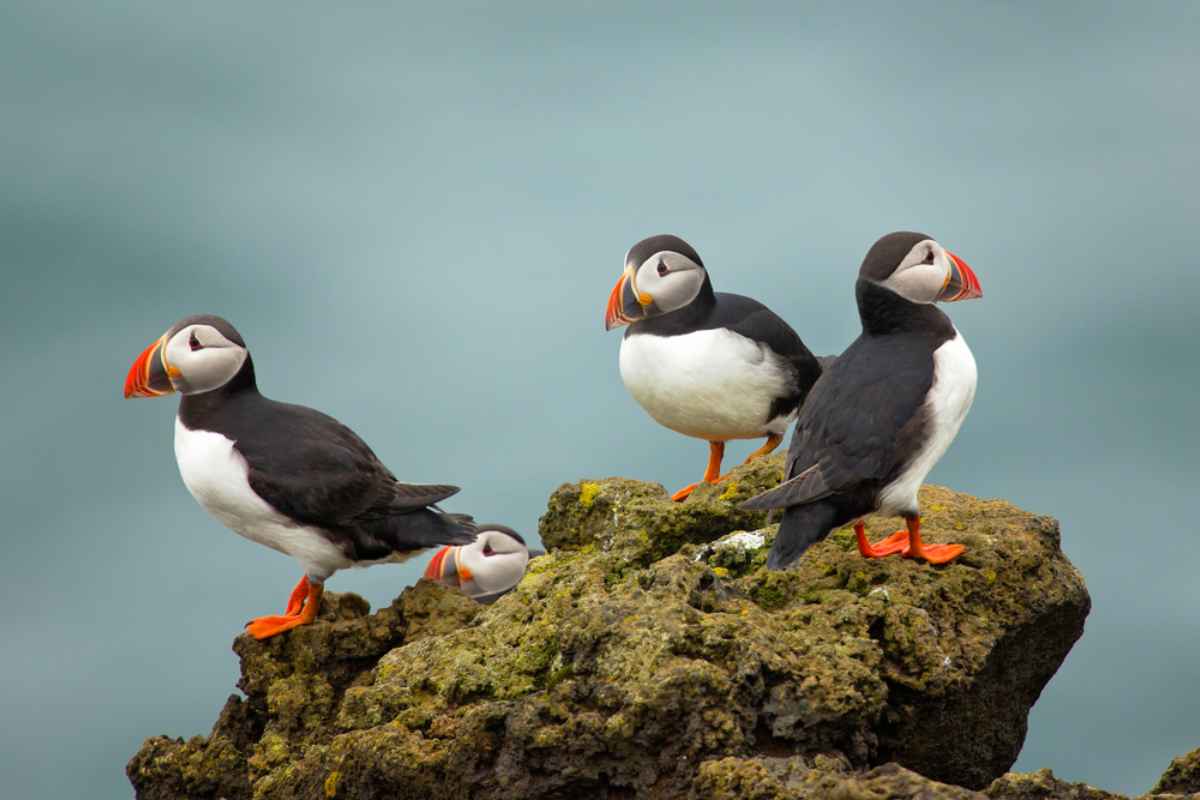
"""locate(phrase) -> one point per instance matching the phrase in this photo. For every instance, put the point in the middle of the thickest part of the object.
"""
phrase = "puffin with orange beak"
(488, 568)
(706, 364)
(884, 413)
(283, 475)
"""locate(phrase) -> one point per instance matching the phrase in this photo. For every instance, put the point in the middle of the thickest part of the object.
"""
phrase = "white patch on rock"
(743, 541)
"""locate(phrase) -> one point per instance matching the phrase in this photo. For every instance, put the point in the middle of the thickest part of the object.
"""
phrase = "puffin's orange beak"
(625, 304)
(150, 375)
(436, 570)
(961, 284)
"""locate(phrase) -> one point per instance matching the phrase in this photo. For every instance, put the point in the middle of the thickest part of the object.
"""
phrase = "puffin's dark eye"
(928, 257)
(662, 268)
(193, 342)
(488, 551)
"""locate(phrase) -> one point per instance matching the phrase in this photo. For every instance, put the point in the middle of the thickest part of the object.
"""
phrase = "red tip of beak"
(137, 381)
(970, 283)
(612, 314)
(436, 564)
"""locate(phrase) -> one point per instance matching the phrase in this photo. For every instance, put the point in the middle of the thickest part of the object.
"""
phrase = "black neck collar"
(194, 409)
(884, 312)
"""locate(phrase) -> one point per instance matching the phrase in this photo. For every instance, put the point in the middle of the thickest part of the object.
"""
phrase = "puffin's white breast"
(217, 476)
(949, 399)
(712, 384)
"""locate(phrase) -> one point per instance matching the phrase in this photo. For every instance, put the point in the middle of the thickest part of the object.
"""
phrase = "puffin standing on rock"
(884, 413)
(486, 569)
(283, 475)
(711, 365)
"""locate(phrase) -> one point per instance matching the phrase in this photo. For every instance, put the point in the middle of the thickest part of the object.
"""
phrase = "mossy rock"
(826, 777)
(1182, 776)
(650, 647)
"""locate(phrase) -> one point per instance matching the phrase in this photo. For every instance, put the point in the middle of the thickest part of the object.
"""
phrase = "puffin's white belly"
(947, 404)
(712, 384)
(217, 476)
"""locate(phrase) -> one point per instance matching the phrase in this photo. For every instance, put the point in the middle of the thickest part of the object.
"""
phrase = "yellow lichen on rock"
(651, 653)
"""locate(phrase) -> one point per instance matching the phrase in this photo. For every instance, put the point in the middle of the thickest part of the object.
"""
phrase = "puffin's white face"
(664, 282)
(199, 359)
(930, 273)
(672, 280)
(192, 357)
(493, 563)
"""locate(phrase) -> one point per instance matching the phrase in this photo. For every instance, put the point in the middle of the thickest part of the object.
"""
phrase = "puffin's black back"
(315, 470)
(862, 423)
(750, 318)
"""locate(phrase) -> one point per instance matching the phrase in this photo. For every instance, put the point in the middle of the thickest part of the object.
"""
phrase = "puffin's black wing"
(750, 318)
(861, 421)
(313, 469)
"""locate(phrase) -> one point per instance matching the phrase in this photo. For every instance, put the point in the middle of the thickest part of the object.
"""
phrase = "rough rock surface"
(1182, 776)
(828, 777)
(650, 654)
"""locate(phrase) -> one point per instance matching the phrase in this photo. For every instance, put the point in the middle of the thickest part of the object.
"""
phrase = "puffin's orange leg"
(716, 452)
(770, 444)
(296, 601)
(933, 553)
(767, 448)
(896, 543)
(266, 627)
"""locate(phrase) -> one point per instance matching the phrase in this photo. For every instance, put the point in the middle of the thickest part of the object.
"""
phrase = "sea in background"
(415, 215)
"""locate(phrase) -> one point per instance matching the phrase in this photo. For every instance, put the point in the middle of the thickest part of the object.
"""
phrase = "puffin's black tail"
(416, 530)
(458, 528)
(800, 527)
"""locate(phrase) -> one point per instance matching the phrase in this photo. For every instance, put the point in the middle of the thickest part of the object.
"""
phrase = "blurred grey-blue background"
(415, 214)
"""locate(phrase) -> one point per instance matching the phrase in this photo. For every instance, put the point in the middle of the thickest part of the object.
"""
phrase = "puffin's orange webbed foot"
(712, 474)
(685, 492)
(932, 553)
(266, 627)
(936, 553)
(896, 543)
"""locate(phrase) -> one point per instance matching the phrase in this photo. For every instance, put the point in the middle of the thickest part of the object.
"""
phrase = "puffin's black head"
(197, 354)
(662, 274)
(916, 267)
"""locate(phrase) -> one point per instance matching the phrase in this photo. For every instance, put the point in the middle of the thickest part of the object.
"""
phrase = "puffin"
(283, 475)
(488, 568)
(885, 411)
(710, 365)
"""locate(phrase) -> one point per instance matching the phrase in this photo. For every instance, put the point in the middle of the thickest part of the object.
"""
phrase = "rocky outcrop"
(825, 777)
(651, 654)
(1182, 776)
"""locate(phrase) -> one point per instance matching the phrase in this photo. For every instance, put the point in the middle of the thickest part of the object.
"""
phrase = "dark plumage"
(869, 418)
(285, 476)
(715, 366)
(316, 471)
(747, 317)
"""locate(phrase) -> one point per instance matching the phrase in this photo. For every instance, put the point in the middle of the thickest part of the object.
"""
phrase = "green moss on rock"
(651, 654)
(1042, 785)
(1182, 776)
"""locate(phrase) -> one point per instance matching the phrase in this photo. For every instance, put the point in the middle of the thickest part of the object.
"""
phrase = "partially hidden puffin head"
(662, 274)
(197, 354)
(485, 569)
(916, 267)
